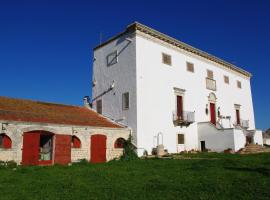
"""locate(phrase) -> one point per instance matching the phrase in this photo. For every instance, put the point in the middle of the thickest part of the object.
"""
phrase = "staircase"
(253, 148)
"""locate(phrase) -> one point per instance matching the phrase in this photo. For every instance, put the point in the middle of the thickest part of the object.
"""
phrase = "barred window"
(166, 59)
(181, 139)
(190, 67)
(239, 84)
(210, 74)
(226, 79)
(99, 106)
(125, 101)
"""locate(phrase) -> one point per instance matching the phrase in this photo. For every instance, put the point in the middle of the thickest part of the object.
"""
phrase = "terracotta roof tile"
(43, 112)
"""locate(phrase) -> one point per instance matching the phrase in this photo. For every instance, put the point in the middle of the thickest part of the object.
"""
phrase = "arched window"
(119, 143)
(5, 141)
(75, 142)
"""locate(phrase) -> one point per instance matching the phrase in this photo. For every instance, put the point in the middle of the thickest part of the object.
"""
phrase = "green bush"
(129, 152)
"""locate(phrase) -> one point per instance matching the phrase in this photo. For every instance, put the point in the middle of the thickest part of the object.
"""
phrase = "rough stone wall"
(15, 131)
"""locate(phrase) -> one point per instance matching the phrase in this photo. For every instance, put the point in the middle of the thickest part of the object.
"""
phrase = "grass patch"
(226, 177)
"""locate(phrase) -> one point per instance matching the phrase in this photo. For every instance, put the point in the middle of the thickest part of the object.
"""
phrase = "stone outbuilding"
(40, 133)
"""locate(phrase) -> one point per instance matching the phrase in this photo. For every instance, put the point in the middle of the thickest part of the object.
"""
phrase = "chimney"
(86, 102)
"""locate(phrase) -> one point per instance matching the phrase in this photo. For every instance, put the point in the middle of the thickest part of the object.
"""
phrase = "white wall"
(258, 137)
(266, 141)
(123, 74)
(239, 140)
(141, 72)
(216, 140)
(156, 98)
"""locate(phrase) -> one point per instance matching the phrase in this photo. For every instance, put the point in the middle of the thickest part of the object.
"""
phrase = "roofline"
(46, 102)
(62, 125)
(74, 106)
(154, 33)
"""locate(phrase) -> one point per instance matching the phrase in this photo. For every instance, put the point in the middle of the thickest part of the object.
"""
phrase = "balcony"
(211, 84)
(243, 123)
(184, 119)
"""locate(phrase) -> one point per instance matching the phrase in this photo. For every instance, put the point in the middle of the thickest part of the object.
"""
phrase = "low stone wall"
(8, 154)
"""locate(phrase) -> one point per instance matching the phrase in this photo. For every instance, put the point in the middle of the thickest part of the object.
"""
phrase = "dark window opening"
(5, 141)
(75, 142)
(119, 143)
(181, 139)
(166, 59)
(45, 147)
(125, 99)
(99, 106)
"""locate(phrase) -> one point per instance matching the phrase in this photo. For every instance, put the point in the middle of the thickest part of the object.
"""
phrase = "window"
(166, 59)
(239, 85)
(5, 141)
(210, 74)
(119, 143)
(75, 142)
(190, 67)
(112, 58)
(99, 106)
(181, 139)
(125, 101)
(226, 79)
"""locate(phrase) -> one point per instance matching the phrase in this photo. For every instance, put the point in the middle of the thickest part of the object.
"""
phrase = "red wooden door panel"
(98, 148)
(213, 113)
(62, 153)
(30, 151)
(180, 107)
(238, 117)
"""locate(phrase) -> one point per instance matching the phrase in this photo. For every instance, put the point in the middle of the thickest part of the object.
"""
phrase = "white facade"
(153, 87)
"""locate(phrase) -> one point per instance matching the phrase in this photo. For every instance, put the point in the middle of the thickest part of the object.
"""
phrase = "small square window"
(99, 106)
(226, 79)
(190, 67)
(239, 84)
(112, 58)
(166, 59)
(180, 139)
(125, 101)
(210, 74)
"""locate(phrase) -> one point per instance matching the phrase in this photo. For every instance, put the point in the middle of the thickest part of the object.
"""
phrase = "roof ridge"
(38, 101)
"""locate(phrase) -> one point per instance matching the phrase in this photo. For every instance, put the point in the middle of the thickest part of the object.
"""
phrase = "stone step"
(253, 148)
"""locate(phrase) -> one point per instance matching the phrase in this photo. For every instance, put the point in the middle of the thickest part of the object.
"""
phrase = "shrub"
(129, 152)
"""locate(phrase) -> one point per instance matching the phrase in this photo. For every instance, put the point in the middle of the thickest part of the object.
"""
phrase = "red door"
(62, 153)
(213, 113)
(238, 117)
(180, 107)
(98, 148)
(30, 151)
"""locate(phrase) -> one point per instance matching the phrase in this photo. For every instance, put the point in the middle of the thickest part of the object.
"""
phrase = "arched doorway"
(98, 148)
(37, 148)
(45, 148)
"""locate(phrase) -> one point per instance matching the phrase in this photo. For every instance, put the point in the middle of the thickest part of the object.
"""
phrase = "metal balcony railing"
(183, 119)
(211, 84)
(243, 123)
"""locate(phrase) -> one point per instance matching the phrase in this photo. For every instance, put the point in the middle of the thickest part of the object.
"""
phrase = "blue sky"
(46, 46)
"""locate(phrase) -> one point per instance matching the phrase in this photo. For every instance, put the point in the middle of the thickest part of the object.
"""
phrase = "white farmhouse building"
(173, 94)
